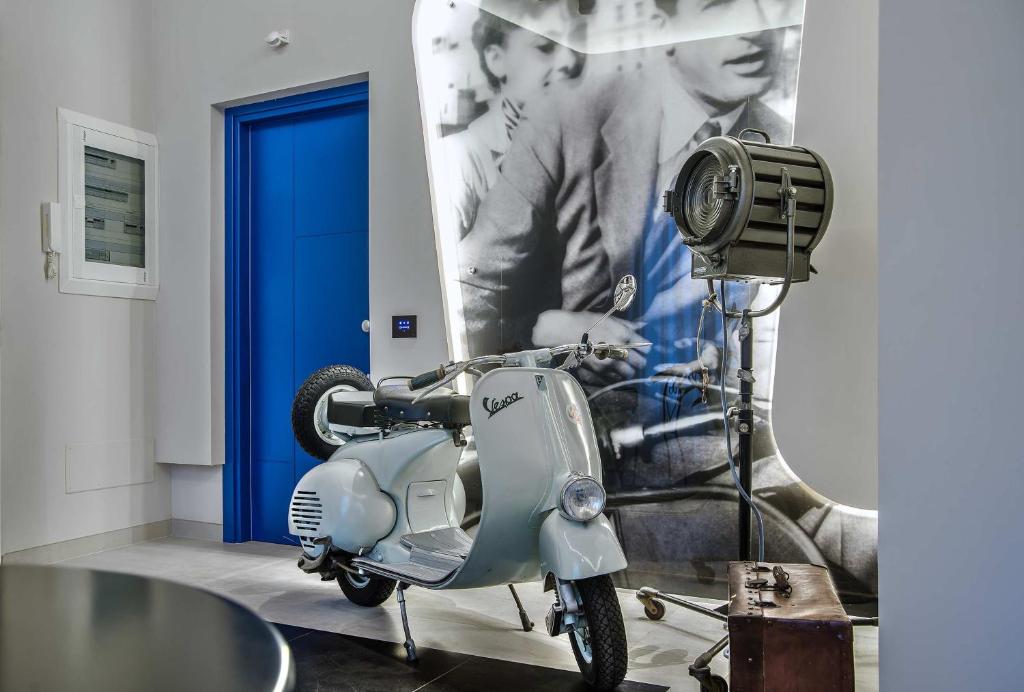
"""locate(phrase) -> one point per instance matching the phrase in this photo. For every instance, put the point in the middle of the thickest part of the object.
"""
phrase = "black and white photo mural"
(552, 128)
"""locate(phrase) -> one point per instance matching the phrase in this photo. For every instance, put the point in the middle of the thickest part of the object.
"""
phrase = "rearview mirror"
(625, 292)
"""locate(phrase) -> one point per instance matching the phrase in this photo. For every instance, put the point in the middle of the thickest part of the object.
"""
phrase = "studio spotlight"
(748, 211)
(737, 202)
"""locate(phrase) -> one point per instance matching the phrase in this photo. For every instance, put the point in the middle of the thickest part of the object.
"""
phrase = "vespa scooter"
(385, 509)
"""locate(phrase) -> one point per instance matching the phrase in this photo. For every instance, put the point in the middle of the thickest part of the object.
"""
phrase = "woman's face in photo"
(528, 63)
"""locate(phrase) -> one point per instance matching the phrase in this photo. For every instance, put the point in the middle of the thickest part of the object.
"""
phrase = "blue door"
(308, 283)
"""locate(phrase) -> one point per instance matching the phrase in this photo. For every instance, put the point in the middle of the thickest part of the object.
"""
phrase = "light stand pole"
(745, 427)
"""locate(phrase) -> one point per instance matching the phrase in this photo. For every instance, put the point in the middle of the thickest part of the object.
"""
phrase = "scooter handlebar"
(612, 352)
(428, 378)
(616, 351)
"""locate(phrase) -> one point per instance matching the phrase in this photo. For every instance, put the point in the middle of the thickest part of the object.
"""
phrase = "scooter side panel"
(577, 550)
(532, 429)
(399, 460)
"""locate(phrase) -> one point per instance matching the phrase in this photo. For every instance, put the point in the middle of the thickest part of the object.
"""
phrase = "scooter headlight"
(582, 498)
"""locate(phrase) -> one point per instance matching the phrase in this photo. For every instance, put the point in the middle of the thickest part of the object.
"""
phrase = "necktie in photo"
(710, 128)
(512, 114)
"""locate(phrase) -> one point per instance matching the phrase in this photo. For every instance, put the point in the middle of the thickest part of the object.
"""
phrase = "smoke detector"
(278, 39)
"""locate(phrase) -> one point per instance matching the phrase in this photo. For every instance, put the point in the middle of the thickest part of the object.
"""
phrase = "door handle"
(366, 326)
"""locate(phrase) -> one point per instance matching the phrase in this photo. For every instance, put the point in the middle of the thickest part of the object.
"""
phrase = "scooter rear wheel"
(600, 643)
(366, 590)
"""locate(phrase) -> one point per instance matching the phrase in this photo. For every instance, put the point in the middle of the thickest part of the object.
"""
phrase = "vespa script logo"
(494, 406)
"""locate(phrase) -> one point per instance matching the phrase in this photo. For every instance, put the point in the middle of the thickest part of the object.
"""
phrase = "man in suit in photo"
(577, 201)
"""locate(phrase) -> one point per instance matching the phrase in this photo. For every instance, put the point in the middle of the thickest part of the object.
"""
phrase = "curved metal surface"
(395, 462)
(85, 630)
(354, 511)
(576, 550)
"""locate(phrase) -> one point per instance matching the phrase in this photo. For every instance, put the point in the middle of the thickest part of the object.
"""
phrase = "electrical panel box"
(108, 209)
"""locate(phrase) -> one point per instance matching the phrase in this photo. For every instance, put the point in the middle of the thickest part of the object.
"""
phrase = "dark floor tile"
(327, 662)
(495, 675)
(290, 632)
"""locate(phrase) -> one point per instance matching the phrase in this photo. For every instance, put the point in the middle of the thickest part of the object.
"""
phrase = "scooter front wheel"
(366, 590)
(599, 638)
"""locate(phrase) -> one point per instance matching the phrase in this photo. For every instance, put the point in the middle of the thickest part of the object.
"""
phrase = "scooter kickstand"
(523, 617)
(410, 645)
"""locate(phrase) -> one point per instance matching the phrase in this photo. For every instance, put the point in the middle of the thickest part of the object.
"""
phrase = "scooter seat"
(440, 406)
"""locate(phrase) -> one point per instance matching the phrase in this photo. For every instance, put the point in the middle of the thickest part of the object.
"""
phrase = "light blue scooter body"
(533, 432)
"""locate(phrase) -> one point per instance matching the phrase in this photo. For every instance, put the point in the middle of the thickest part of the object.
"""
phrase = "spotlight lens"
(705, 209)
(583, 498)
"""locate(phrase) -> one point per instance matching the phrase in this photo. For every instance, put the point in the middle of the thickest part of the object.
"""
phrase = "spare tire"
(309, 422)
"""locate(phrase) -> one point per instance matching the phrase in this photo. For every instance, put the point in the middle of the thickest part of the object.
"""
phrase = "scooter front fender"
(578, 550)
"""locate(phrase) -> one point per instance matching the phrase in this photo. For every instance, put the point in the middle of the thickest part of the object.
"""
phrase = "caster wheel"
(654, 610)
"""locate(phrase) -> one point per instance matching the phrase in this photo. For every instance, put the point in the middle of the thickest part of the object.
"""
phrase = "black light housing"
(730, 203)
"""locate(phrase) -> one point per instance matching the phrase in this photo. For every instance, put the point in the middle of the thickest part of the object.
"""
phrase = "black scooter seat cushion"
(440, 406)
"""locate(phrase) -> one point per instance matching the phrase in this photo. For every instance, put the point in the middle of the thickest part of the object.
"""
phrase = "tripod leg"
(523, 617)
(701, 669)
(410, 645)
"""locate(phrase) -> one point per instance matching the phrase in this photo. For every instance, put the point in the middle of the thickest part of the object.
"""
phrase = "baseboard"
(199, 530)
(86, 545)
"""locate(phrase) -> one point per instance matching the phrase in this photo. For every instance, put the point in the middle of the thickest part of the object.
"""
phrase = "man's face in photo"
(726, 70)
(530, 62)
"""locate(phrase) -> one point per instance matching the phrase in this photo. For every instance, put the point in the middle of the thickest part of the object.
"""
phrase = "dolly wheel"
(654, 609)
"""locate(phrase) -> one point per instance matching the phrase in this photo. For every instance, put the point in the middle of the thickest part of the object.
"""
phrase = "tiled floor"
(327, 661)
(446, 624)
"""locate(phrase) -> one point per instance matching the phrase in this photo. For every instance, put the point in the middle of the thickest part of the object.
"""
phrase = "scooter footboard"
(574, 550)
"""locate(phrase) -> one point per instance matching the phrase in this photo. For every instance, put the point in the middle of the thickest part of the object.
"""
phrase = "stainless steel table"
(81, 629)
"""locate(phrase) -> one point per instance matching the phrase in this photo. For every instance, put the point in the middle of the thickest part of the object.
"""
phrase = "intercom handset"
(51, 236)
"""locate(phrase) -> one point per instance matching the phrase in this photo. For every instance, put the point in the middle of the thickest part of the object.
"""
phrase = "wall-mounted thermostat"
(108, 223)
(403, 327)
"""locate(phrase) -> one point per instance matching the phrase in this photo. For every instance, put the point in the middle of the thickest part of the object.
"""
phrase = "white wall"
(177, 62)
(210, 53)
(222, 59)
(75, 369)
(951, 239)
(826, 395)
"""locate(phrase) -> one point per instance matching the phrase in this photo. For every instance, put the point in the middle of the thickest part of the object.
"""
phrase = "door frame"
(238, 123)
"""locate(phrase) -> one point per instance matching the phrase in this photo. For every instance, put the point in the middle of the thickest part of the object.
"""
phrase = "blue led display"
(403, 327)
